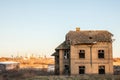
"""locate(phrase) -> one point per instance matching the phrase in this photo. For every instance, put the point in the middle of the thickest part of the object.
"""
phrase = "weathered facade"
(84, 52)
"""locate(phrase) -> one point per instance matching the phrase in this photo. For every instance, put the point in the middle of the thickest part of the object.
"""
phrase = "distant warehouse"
(4, 66)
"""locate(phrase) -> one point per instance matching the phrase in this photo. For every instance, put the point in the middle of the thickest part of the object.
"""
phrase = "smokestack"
(77, 29)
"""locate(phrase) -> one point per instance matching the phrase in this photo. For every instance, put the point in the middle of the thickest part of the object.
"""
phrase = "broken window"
(66, 69)
(100, 53)
(90, 37)
(101, 69)
(81, 69)
(66, 54)
(82, 54)
(57, 59)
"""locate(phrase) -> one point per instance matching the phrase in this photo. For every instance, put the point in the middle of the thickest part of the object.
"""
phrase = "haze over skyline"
(39, 26)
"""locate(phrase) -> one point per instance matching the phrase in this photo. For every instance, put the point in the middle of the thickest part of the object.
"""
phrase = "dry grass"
(40, 62)
(37, 74)
(31, 62)
(32, 73)
(80, 77)
(116, 61)
(23, 74)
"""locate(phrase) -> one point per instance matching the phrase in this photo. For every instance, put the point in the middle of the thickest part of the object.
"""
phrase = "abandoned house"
(84, 52)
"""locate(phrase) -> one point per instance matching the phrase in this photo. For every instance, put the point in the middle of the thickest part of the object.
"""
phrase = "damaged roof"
(64, 45)
(85, 37)
(91, 36)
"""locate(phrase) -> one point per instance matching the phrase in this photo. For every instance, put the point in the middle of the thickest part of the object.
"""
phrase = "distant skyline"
(39, 26)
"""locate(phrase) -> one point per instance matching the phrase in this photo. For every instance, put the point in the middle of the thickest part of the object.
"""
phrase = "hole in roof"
(90, 37)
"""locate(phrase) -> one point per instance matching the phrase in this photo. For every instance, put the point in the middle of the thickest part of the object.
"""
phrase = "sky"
(39, 26)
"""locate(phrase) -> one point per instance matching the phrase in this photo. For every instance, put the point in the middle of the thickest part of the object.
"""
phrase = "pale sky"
(39, 26)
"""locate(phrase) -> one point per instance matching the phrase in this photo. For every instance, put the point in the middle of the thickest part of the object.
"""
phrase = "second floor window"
(66, 54)
(101, 53)
(82, 54)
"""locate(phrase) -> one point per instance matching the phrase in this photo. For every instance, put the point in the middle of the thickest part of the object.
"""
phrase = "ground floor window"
(81, 69)
(101, 70)
(66, 69)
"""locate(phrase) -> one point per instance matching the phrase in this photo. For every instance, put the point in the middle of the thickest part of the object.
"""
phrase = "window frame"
(101, 69)
(66, 54)
(81, 69)
(101, 54)
(81, 54)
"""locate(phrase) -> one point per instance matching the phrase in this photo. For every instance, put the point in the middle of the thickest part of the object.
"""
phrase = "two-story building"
(84, 52)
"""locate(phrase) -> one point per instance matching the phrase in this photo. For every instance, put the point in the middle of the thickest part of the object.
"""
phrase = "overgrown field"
(80, 77)
(33, 74)
(22, 74)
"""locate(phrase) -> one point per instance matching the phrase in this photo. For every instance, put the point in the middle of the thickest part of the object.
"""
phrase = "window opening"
(100, 53)
(66, 54)
(66, 69)
(81, 69)
(82, 54)
(101, 69)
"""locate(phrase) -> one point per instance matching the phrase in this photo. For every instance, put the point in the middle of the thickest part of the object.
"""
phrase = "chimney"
(77, 29)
